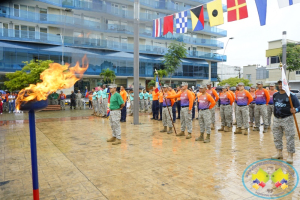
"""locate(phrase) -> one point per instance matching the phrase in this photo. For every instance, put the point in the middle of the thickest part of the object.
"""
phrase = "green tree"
(108, 75)
(30, 74)
(234, 81)
(292, 58)
(152, 83)
(173, 58)
(161, 73)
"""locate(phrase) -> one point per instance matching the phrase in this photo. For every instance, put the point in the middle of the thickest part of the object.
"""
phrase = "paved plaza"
(76, 162)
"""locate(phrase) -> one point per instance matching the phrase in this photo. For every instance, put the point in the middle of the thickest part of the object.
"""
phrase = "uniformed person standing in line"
(141, 100)
(150, 101)
(131, 97)
(95, 102)
(187, 101)
(283, 122)
(178, 103)
(79, 100)
(234, 103)
(99, 101)
(146, 100)
(214, 95)
(270, 107)
(161, 100)
(205, 104)
(123, 94)
(252, 105)
(167, 110)
(115, 106)
(104, 101)
(226, 100)
(243, 99)
(155, 104)
(262, 99)
(170, 89)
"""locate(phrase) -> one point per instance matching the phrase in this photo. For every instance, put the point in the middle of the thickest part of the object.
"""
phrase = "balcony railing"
(93, 25)
(39, 37)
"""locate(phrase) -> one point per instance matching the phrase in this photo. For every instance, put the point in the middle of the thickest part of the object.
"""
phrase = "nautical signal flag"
(215, 13)
(262, 11)
(181, 22)
(197, 17)
(157, 25)
(285, 3)
(168, 24)
(236, 10)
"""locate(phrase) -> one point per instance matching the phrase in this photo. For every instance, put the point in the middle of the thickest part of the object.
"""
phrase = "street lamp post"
(62, 36)
(136, 63)
(231, 38)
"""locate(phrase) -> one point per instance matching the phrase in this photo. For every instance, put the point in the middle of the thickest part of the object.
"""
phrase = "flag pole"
(166, 103)
(283, 64)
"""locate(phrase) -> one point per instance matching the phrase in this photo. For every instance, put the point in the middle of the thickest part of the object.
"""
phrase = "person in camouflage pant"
(167, 110)
(262, 99)
(270, 107)
(226, 100)
(252, 105)
(243, 99)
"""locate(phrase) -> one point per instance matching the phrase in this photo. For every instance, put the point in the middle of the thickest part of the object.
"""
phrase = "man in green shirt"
(116, 105)
(146, 100)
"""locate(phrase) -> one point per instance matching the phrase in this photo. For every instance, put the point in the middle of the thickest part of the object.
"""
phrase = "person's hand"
(190, 112)
(293, 110)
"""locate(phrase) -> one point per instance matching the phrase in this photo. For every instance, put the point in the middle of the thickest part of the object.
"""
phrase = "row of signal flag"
(236, 10)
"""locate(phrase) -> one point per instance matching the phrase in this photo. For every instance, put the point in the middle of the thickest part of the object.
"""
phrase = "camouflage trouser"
(251, 112)
(95, 105)
(54, 102)
(270, 111)
(186, 119)
(166, 118)
(261, 110)
(226, 115)
(150, 107)
(103, 108)
(146, 104)
(5, 106)
(213, 113)
(131, 107)
(287, 126)
(235, 110)
(63, 103)
(204, 117)
(242, 114)
(78, 103)
(142, 102)
(114, 121)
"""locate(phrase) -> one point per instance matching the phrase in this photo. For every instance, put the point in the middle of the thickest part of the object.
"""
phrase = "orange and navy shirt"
(213, 93)
(155, 95)
(271, 93)
(205, 101)
(168, 102)
(253, 96)
(226, 98)
(186, 98)
(161, 97)
(243, 98)
(262, 97)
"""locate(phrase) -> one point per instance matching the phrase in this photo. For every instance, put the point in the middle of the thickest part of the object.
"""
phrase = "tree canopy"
(292, 57)
(173, 58)
(30, 74)
(108, 75)
(161, 74)
(234, 81)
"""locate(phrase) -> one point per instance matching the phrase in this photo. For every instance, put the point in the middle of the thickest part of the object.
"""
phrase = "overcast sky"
(251, 40)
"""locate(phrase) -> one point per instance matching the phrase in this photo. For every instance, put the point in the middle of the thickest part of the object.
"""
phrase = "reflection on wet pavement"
(76, 162)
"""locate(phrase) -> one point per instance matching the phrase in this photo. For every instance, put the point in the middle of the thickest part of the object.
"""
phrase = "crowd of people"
(248, 107)
(8, 102)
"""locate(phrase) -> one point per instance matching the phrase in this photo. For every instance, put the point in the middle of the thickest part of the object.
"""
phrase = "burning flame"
(54, 78)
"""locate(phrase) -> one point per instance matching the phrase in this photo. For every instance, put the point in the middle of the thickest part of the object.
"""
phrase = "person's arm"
(229, 96)
(250, 98)
(267, 96)
(174, 96)
(121, 102)
(211, 100)
(215, 94)
(191, 100)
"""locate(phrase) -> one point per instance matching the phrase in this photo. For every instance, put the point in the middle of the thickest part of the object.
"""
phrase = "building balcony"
(39, 37)
(109, 28)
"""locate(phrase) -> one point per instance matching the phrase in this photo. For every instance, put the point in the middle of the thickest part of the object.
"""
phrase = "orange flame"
(54, 78)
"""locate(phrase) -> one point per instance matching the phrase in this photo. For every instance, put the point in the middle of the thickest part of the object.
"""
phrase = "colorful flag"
(197, 16)
(215, 13)
(236, 10)
(168, 24)
(285, 87)
(262, 11)
(157, 84)
(157, 24)
(181, 22)
(86, 93)
(285, 3)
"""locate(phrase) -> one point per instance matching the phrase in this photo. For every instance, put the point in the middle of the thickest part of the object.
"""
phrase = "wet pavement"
(76, 162)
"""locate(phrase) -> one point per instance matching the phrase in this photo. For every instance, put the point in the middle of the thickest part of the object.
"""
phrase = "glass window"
(31, 32)
(5, 30)
(248, 76)
(17, 31)
(23, 11)
(274, 60)
(31, 12)
(43, 14)
(24, 32)
(16, 10)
